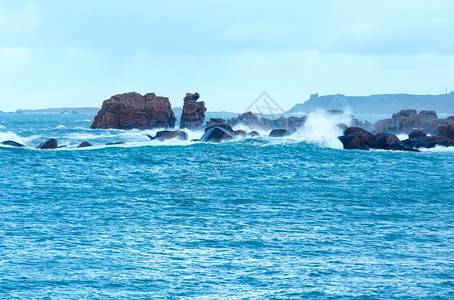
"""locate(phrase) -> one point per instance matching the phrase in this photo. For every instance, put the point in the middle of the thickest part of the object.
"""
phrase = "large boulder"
(49, 144)
(193, 114)
(446, 129)
(247, 119)
(217, 134)
(416, 134)
(363, 135)
(350, 141)
(12, 144)
(279, 133)
(225, 126)
(169, 135)
(132, 110)
(384, 141)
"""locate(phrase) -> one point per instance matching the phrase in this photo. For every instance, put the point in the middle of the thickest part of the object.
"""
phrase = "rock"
(49, 144)
(12, 144)
(350, 141)
(253, 134)
(363, 135)
(240, 133)
(364, 148)
(214, 121)
(383, 141)
(168, 135)
(247, 119)
(416, 134)
(407, 119)
(225, 126)
(193, 114)
(446, 130)
(217, 134)
(114, 143)
(132, 110)
(84, 144)
(278, 133)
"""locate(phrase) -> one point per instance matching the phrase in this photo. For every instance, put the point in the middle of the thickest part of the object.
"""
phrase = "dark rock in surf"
(225, 126)
(383, 141)
(416, 134)
(217, 134)
(169, 135)
(49, 144)
(84, 144)
(253, 134)
(278, 133)
(13, 144)
(241, 133)
(350, 141)
(114, 143)
(363, 135)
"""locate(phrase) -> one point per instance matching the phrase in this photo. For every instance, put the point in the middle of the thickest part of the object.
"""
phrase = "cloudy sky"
(79, 53)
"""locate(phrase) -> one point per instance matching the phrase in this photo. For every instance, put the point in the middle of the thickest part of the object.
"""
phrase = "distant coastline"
(377, 104)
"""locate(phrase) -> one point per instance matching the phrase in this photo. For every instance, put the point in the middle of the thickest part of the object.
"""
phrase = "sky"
(80, 53)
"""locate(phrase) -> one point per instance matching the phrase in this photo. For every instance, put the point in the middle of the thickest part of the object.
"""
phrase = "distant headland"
(377, 104)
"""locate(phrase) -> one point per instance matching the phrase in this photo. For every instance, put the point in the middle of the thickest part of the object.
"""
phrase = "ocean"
(273, 218)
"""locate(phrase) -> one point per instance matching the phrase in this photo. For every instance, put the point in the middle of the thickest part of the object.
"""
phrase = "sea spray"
(322, 127)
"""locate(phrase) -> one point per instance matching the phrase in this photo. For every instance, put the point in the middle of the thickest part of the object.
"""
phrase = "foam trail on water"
(322, 128)
(11, 136)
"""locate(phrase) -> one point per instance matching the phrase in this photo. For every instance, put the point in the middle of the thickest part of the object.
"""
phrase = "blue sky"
(79, 53)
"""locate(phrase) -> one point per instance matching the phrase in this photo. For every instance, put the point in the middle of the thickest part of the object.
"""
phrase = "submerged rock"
(84, 144)
(49, 144)
(12, 144)
(114, 143)
(253, 134)
(132, 110)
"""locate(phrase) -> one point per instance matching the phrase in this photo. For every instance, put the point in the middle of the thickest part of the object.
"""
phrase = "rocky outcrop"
(132, 110)
(358, 138)
(12, 144)
(193, 114)
(250, 120)
(407, 120)
(247, 119)
(214, 121)
(49, 144)
(169, 135)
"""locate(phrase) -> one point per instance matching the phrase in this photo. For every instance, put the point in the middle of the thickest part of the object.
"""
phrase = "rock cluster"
(408, 119)
(193, 114)
(132, 110)
(250, 120)
(359, 138)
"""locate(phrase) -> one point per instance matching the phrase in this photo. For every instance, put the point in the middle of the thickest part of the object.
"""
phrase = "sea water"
(255, 218)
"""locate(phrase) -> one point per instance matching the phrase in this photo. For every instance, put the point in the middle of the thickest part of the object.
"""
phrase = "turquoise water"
(255, 218)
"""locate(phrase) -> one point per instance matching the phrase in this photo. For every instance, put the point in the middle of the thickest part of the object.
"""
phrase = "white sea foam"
(322, 128)
(11, 136)
(2, 127)
(60, 127)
